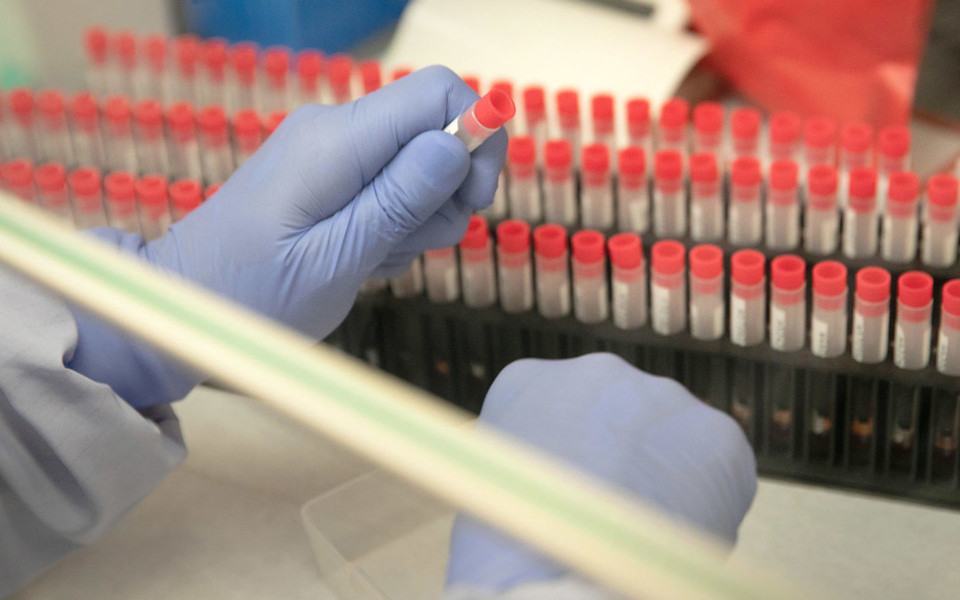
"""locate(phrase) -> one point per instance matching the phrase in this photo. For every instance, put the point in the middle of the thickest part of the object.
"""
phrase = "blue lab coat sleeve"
(562, 588)
(74, 457)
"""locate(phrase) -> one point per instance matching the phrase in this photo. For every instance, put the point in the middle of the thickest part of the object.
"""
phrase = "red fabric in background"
(847, 59)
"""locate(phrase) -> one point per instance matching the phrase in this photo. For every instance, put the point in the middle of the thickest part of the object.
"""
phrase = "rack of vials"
(791, 272)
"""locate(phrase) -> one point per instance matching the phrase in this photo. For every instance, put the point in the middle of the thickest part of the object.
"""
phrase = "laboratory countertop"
(226, 525)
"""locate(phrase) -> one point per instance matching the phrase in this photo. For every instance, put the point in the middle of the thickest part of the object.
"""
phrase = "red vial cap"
(863, 182)
(951, 297)
(588, 246)
(50, 103)
(21, 102)
(95, 42)
(276, 63)
(915, 289)
(706, 261)
(213, 55)
(477, 235)
(246, 123)
(703, 168)
(674, 113)
(550, 241)
(243, 60)
(942, 190)
(601, 109)
(667, 164)
(632, 161)
(819, 132)
(503, 85)
(339, 71)
(745, 123)
(84, 181)
(626, 250)
(747, 266)
(119, 186)
(272, 121)
(473, 82)
(534, 103)
(125, 48)
(494, 109)
(856, 137)
(211, 190)
(788, 272)
(17, 173)
(708, 117)
(894, 141)
(186, 195)
(873, 284)
(568, 104)
(522, 150)
(829, 278)
(903, 187)
(148, 114)
(116, 110)
(83, 107)
(746, 171)
(155, 49)
(212, 121)
(370, 76)
(667, 257)
(784, 128)
(51, 177)
(595, 159)
(513, 236)
(638, 112)
(186, 49)
(151, 190)
(557, 154)
(180, 117)
(783, 175)
(822, 180)
(309, 66)
(401, 72)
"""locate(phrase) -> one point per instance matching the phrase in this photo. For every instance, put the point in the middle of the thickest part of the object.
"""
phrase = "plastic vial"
(121, 201)
(441, 274)
(86, 198)
(707, 308)
(472, 81)
(672, 131)
(524, 191)
(783, 137)
(506, 87)
(53, 137)
(629, 281)
(153, 79)
(153, 206)
(16, 177)
(123, 67)
(186, 51)
(409, 283)
(371, 77)
(596, 190)
(242, 80)
(828, 327)
(215, 151)
(559, 188)
(821, 223)
(783, 206)
(535, 113)
(591, 301)
(95, 44)
(513, 262)
(247, 135)
(745, 133)
(940, 221)
(51, 180)
(744, 215)
(668, 292)
(18, 135)
(871, 316)
(309, 71)
(553, 276)
(948, 344)
(638, 124)
(568, 118)
(788, 313)
(900, 227)
(481, 120)
(633, 193)
(340, 79)
(85, 130)
(211, 79)
(706, 198)
(748, 298)
(860, 225)
(275, 90)
(476, 265)
(911, 345)
(856, 146)
(604, 129)
(819, 142)
(121, 152)
(708, 129)
(150, 142)
(893, 154)
(184, 152)
(669, 195)
(185, 195)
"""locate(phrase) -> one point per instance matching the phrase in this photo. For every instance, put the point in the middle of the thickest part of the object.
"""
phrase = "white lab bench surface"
(227, 525)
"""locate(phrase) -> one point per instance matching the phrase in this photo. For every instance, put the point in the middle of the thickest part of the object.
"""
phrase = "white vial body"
(154, 225)
(152, 156)
(871, 336)
(121, 153)
(98, 79)
(560, 200)
(217, 162)
(18, 140)
(525, 198)
(828, 327)
(497, 211)
(479, 276)
(859, 233)
(596, 204)
(899, 237)
(54, 145)
(783, 224)
(516, 281)
(948, 344)
(633, 205)
(465, 128)
(668, 299)
(744, 218)
(821, 230)
(88, 211)
(127, 221)
(88, 148)
(669, 209)
(57, 204)
(788, 318)
(911, 344)
(441, 274)
(409, 283)
(538, 131)
(553, 286)
(748, 313)
(706, 308)
(243, 95)
(706, 211)
(940, 241)
(629, 297)
(590, 298)
(185, 159)
(572, 134)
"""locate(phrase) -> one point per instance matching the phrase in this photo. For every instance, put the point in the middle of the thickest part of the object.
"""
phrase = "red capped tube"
(706, 198)
(185, 195)
(559, 187)
(748, 297)
(783, 205)
(629, 280)
(271, 121)
(940, 221)
(707, 309)
(123, 63)
(515, 273)
(744, 216)
(371, 77)
(122, 201)
(442, 275)
(148, 134)
(18, 134)
(340, 78)
(184, 151)
(638, 124)
(95, 45)
(53, 137)
(243, 59)
(568, 117)
(900, 223)
(708, 118)
(871, 315)
(672, 130)
(535, 113)
(860, 223)
(821, 222)
(247, 135)
(86, 196)
(591, 302)
(153, 77)
(819, 142)
(51, 182)
(121, 152)
(788, 315)
(216, 153)
(669, 195)
(275, 67)
(212, 78)
(476, 265)
(401, 72)
(948, 342)
(668, 293)
(596, 189)
(16, 177)
(633, 190)
(310, 66)
(911, 345)
(481, 120)
(604, 123)
(553, 274)
(783, 136)
(893, 151)
(524, 189)
(828, 327)
(153, 205)
(85, 130)
(745, 125)
(186, 54)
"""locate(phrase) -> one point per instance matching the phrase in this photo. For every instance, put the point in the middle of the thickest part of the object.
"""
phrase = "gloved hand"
(337, 194)
(642, 433)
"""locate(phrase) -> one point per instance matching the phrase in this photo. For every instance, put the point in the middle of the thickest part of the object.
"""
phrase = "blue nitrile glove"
(642, 433)
(336, 195)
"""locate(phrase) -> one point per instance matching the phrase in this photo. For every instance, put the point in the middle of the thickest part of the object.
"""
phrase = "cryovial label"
(738, 321)
(818, 339)
(778, 327)
(942, 351)
(660, 298)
